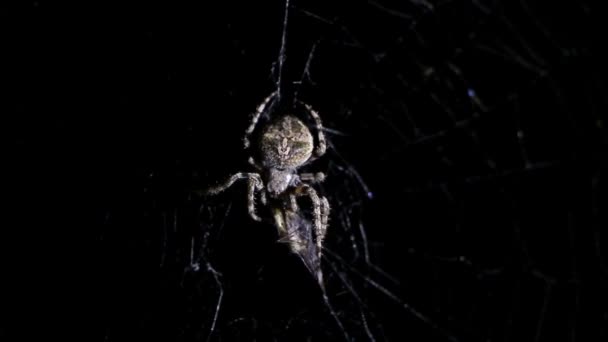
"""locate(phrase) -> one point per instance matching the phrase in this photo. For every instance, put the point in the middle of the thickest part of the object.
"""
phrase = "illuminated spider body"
(284, 146)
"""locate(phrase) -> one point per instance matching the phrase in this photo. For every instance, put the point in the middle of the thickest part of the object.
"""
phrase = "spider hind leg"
(321, 144)
(256, 117)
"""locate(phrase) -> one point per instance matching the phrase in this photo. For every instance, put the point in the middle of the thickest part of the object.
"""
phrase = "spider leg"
(256, 116)
(254, 183)
(252, 186)
(228, 183)
(320, 211)
(322, 145)
(313, 177)
(324, 219)
(258, 167)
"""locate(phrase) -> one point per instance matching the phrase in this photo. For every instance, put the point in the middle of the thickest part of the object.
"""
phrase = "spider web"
(459, 133)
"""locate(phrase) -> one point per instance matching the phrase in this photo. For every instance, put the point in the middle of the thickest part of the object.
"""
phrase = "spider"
(285, 145)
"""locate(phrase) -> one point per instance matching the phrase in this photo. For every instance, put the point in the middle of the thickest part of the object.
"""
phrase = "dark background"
(465, 163)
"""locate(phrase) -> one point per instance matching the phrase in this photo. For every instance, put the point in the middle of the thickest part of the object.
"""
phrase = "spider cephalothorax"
(285, 145)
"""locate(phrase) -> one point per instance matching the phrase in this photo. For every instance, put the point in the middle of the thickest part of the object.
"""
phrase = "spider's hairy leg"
(324, 219)
(322, 145)
(252, 186)
(319, 212)
(256, 116)
(313, 177)
(254, 183)
(228, 183)
(258, 167)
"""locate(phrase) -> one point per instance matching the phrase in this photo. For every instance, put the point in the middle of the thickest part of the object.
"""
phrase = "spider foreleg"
(254, 183)
(228, 183)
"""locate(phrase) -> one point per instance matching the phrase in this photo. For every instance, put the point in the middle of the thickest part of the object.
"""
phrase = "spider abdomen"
(286, 143)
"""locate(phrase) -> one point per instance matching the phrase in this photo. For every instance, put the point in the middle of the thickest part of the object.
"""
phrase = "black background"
(116, 113)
